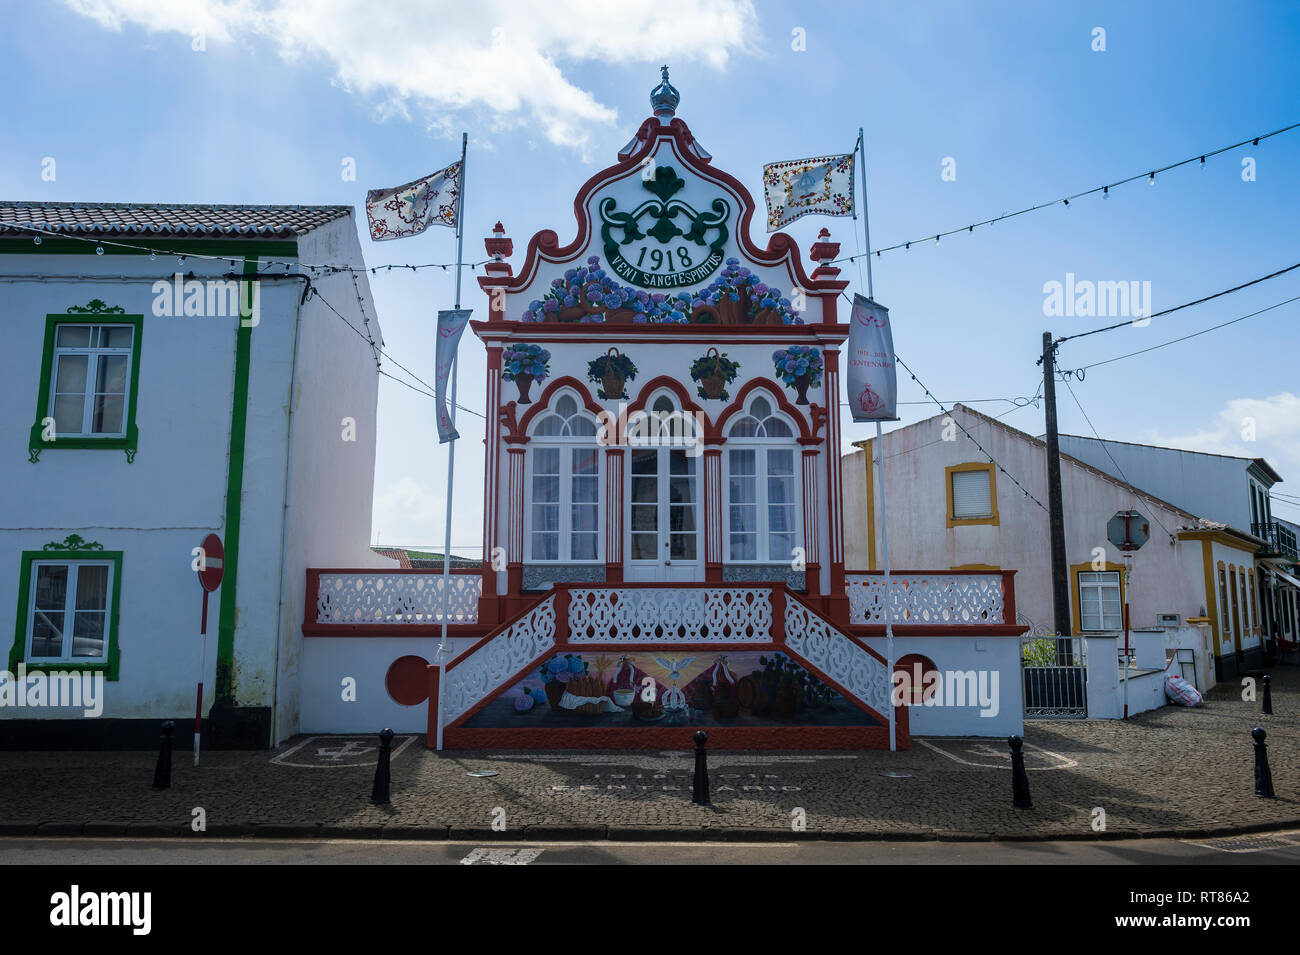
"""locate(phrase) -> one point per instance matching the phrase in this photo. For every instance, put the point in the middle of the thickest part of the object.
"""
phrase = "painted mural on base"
(662, 688)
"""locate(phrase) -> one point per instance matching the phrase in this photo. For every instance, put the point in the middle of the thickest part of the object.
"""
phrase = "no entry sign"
(1128, 530)
(212, 559)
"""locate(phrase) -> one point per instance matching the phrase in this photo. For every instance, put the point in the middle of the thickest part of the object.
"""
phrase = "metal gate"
(1055, 677)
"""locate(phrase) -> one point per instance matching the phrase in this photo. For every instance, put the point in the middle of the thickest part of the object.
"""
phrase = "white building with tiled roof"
(175, 371)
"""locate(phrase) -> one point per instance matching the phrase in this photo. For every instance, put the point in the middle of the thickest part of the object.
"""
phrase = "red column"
(515, 527)
(837, 604)
(713, 511)
(614, 510)
(488, 603)
(811, 524)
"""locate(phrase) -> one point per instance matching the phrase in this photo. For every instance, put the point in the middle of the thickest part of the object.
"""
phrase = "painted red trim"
(310, 598)
(737, 406)
(1008, 597)
(934, 630)
(393, 629)
(541, 404)
(680, 737)
(686, 402)
(596, 333)
(781, 248)
(391, 571)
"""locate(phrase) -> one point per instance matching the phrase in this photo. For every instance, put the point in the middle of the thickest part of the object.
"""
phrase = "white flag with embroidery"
(451, 323)
(871, 373)
(822, 185)
(412, 208)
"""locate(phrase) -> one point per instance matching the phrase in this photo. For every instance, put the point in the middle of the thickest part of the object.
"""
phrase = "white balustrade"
(484, 669)
(663, 615)
(388, 598)
(937, 599)
(841, 658)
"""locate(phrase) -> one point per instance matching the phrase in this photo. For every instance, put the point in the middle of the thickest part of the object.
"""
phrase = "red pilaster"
(614, 510)
(712, 512)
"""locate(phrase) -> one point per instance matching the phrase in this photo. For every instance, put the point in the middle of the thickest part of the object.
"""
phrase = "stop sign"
(1128, 530)
(212, 559)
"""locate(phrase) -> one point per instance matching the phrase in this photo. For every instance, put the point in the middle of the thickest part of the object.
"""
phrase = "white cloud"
(1276, 424)
(502, 58)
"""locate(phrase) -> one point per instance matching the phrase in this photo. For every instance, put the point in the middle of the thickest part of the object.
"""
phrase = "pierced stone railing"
(685, 614)
(392, 598)
(943, 599)
(486, 666)
(837, 655)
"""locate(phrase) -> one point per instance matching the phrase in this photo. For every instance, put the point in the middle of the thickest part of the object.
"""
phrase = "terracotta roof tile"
(128, 218)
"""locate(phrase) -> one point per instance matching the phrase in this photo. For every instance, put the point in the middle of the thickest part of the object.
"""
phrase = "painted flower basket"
(714, 372)
(799, 367)
(611, 371)
(524, 364)
(729, 296)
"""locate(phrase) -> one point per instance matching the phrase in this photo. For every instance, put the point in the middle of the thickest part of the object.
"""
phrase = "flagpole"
(451, 450)
(880, 475)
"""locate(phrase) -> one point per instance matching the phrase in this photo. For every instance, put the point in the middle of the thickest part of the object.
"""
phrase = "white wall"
(1166, 578)
(987, 655)
(1209, 485)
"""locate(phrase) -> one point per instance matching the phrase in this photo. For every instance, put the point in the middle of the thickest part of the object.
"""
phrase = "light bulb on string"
(1151, 179)
(1202, 162)
(1105, 192)
(36, 240)
(99, 248)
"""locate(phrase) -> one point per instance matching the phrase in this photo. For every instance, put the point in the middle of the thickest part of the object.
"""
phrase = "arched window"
(762, 481)
(563, 485)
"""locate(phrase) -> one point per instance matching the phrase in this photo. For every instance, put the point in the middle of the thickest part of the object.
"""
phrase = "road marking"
(984, 749)
(336, 749)
(1237, 844)
(482, 856)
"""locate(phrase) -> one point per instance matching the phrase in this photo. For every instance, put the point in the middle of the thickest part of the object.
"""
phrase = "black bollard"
(1268, 695)
(700, 788)
(379, 794)
(162, 773)
(1019, 778)
(1263, 775)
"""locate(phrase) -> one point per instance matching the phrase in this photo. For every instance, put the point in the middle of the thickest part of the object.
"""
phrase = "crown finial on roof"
(664, 98)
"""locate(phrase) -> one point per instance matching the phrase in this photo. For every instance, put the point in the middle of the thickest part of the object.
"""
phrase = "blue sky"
(1014, 93)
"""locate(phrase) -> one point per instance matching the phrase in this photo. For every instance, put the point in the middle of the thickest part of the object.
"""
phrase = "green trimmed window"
(90, 377)
(68, 597)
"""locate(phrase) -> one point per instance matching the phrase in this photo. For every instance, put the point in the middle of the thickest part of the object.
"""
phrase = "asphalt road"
(1270, 848)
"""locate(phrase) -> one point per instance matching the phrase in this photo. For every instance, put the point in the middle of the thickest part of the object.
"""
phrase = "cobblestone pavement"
(1171, 771)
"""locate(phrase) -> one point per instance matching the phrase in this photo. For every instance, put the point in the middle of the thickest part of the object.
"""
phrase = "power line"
(1077, 372)
(1229, 291)
(1065, 200)
(1123, 477)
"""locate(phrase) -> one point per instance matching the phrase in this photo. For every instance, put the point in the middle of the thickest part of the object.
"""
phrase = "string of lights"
(154, 251)
(1177, 308)
(1149, 176)
(992, 461)
(429, 389)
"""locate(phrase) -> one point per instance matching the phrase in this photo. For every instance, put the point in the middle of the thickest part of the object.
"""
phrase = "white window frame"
(566, 444)
(761, 445)
(92, 353)
(1100, 587)
(69, 612)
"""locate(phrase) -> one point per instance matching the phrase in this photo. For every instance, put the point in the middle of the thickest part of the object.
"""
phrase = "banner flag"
(822, 185)
(871, 374)
(451, 323)
(412, 208)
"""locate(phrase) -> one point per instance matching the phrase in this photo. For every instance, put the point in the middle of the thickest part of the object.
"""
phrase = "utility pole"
(1056, 515)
